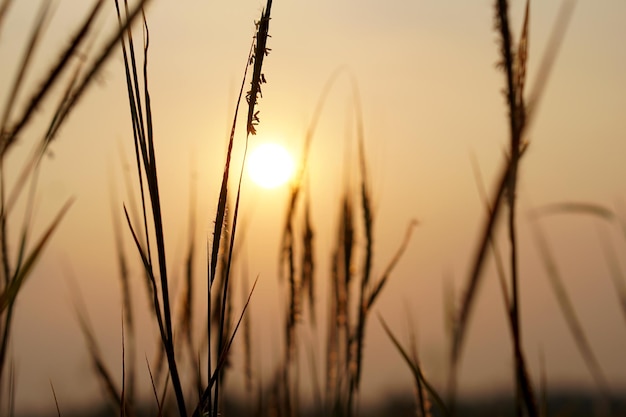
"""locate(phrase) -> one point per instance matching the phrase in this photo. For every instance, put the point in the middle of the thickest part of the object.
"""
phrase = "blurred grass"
(191, 369)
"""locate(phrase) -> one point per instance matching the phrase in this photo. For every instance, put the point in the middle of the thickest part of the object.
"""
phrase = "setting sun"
(270, 165)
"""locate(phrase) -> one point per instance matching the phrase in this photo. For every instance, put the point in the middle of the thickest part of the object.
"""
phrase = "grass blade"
(37, 33)
(415, 369)
(617, 276)
(567, 308)
(54, 74)
(56, 402)
(392, 264)
(7, 297)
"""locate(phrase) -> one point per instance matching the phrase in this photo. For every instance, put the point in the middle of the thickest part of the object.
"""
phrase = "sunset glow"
(141, 169)
(270, 165)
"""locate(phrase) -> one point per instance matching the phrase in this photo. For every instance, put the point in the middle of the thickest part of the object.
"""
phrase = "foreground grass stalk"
(514, 95)
(260, 51)
(209, 400)
(144, 140)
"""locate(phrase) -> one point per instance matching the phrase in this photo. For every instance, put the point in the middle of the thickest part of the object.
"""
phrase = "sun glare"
(270, 165)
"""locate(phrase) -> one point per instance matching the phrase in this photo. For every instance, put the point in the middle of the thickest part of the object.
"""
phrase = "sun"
(270, 165)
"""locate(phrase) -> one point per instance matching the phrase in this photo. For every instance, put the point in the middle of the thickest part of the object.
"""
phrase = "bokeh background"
(432, 99)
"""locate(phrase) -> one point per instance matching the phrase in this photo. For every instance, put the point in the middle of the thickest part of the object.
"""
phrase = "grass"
(16, 268)
(190, 370)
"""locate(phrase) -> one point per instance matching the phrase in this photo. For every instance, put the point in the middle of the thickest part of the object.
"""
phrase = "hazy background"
(431, 96)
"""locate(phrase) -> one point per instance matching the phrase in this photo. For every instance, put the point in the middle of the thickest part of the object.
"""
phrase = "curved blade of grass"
(392, 264)
(619, 281)
(30, 167)
(37, 33)
(415, 368)
(7, 297)
(568, 310)
(575, 207)
(603, 213)
(100, 59)
(53, 76)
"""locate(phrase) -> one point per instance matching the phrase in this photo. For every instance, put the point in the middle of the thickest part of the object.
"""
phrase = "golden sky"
(431, 97)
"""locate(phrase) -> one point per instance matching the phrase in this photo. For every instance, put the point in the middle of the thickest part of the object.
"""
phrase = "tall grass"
(73, 78)
(520, 115)
(180, 384)
(141, 117)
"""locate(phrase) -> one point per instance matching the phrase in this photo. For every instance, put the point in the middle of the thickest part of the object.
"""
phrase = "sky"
(431, 99)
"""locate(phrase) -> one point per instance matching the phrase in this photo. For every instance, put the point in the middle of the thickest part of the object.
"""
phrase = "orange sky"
(431, 97)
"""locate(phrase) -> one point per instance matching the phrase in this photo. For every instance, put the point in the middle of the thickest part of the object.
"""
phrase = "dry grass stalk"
(515, 70)
(210, 398)
(418, 376)
(146, 163)
(258, 78)
(520, 117)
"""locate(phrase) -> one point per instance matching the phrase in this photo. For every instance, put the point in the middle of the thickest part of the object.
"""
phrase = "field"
(453, 232)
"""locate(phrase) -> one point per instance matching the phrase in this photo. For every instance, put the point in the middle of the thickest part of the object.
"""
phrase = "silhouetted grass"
(354, 287)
